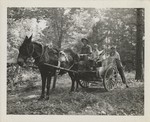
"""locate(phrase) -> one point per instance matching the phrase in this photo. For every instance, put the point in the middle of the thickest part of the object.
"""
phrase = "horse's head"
(25, 51)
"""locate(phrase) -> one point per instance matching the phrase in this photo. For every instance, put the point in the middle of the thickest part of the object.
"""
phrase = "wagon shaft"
(57, 67)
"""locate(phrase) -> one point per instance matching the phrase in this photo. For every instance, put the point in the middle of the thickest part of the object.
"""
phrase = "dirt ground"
(88, 101)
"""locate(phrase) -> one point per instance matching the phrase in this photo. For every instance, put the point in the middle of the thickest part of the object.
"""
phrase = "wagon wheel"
(110, 78)
(83, 84)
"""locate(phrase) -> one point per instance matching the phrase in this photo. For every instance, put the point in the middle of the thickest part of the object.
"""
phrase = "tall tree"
(139, 45)
(120, 24)
(58, 23)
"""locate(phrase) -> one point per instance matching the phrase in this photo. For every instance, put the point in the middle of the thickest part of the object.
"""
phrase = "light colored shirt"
(102, 55)
(116, 55)
(96, 54)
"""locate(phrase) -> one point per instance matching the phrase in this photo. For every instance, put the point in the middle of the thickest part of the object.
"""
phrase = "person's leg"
(121, 72)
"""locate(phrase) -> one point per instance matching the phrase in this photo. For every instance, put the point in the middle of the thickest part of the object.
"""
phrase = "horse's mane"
(72, 53)
(37, 43)
(49, 54)
(68, 50)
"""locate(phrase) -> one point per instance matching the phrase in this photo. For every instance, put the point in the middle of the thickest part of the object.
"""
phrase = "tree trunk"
(139, 45)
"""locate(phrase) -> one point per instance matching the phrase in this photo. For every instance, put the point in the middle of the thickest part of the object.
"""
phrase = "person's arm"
(89, 49)
(118, 56)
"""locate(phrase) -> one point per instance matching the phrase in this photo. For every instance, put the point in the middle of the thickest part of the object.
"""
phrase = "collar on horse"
(66, 57)
(63, 53)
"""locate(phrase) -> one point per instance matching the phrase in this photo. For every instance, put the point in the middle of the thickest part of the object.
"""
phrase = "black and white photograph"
(75, 61)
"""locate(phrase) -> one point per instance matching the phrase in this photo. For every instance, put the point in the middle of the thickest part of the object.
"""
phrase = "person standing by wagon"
(115, 55)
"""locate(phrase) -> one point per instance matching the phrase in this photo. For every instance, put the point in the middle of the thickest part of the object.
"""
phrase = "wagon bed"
(86, 77)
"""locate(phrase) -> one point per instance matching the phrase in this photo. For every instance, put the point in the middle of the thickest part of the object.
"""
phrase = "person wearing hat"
(114, 54)
(96, 52)
(86, 49)
(103, 53)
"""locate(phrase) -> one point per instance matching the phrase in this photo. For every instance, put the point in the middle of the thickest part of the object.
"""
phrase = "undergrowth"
(91, 101)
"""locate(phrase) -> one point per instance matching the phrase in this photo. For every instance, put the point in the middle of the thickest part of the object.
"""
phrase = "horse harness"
(43, 50)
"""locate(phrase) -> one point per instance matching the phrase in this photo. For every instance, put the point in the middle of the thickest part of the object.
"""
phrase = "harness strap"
(40, 54)
(58, 70)
(32, 51)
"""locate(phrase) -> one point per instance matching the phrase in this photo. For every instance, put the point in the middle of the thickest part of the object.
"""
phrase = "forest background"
(64, 28)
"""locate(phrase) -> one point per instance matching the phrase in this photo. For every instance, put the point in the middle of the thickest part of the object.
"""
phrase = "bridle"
(31, 55)
(67, 60)
(32, 51)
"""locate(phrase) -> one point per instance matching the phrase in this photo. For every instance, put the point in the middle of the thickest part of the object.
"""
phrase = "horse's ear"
(30, 37)
(26, 38)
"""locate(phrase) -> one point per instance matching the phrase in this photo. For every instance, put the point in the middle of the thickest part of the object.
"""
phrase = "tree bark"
(139, 45)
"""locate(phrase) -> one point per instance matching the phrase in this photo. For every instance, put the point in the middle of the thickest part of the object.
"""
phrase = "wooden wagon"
(103, 71)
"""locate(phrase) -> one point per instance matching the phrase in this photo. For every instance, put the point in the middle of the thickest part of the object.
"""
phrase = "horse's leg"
(55, 76)
(77, 84)
(48, 85)
(73, 81)
(43, 76)
(54, 81)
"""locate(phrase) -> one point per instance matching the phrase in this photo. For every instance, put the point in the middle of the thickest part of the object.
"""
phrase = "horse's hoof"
(41, 98)
(70, 92)
(47, 98)
(77, 90)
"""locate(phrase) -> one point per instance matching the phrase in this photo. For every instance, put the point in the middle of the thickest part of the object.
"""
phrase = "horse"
(69, 59)
(44, 54)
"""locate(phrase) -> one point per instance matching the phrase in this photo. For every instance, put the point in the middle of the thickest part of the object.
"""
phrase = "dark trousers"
(120, 69)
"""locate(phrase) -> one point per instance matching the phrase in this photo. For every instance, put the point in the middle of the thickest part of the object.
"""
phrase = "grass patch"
(92, 101)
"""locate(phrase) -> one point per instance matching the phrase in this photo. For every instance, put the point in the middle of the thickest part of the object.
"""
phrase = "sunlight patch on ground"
(32, 96)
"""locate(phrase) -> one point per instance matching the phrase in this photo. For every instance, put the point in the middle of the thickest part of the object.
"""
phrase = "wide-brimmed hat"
(96, 45)
(85, 40)
(113, 46)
